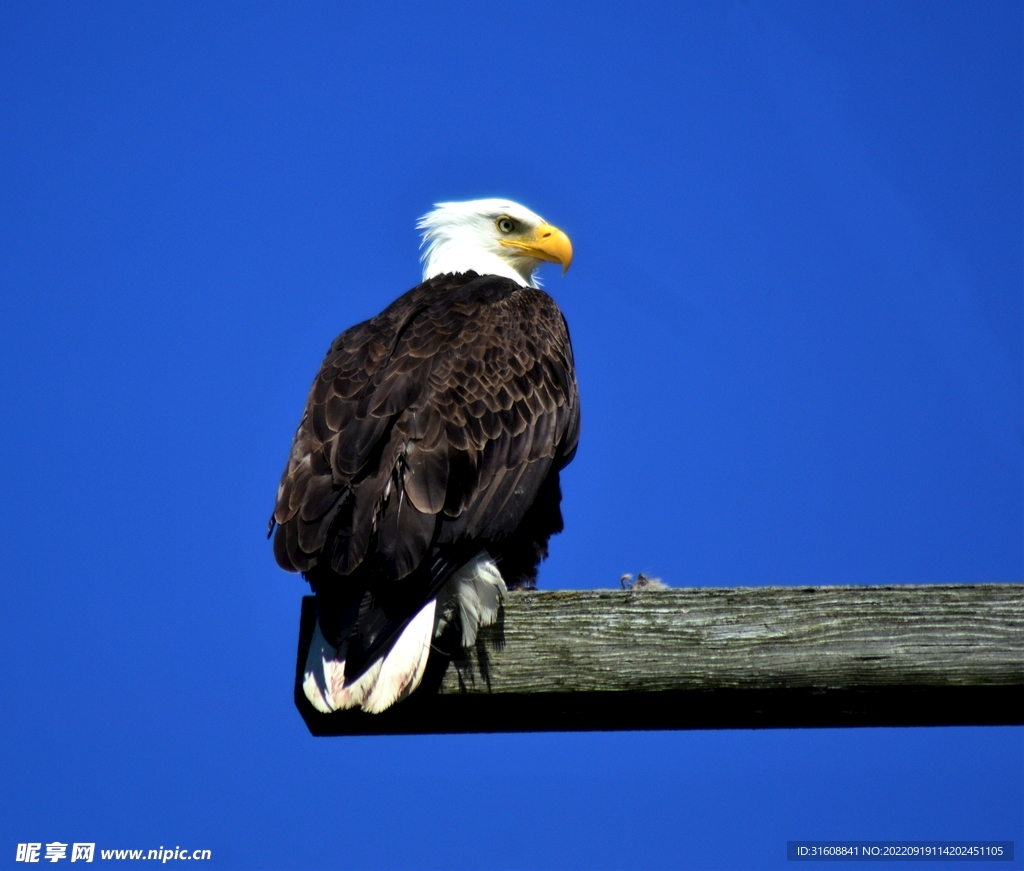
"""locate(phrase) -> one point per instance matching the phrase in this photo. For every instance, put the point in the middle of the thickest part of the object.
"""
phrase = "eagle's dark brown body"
(433, 431)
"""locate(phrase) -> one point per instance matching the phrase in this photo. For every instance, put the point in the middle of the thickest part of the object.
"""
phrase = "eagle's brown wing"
(430, 430)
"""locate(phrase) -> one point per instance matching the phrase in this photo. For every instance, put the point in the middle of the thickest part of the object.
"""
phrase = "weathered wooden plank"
(734, 657)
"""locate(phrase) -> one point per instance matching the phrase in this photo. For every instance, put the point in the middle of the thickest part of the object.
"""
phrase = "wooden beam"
(743, 657)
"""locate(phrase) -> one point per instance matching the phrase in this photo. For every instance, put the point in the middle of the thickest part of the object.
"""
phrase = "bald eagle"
(423, 480)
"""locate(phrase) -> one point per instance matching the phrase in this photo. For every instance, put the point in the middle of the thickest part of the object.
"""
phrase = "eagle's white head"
(491, 237)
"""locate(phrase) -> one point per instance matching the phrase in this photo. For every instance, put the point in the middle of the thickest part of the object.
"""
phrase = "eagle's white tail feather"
(477, 588)
(321, 663)
(403, 666)
(324, 680)
(354, 694)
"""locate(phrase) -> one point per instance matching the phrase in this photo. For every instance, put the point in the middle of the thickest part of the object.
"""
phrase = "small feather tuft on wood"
(642, 582)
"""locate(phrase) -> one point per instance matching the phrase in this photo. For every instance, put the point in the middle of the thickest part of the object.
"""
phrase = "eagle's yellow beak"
(545, 243)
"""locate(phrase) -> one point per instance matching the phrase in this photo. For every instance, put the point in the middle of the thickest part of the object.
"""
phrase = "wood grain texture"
(763, 656)
(764, 638)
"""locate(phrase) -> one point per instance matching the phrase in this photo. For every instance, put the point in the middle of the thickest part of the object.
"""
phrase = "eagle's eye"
(506, 225)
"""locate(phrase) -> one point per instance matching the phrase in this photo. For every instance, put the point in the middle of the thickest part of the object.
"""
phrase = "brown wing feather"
(438, 421)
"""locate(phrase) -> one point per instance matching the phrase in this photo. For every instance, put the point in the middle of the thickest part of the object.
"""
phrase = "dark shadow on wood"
(428, 712)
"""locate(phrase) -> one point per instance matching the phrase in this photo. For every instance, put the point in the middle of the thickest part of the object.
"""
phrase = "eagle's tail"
(476, 590)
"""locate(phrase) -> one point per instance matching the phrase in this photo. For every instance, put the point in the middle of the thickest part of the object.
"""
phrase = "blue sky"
(796, 309)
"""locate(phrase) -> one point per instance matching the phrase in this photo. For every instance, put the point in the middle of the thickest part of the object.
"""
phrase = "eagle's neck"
(453, 255)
